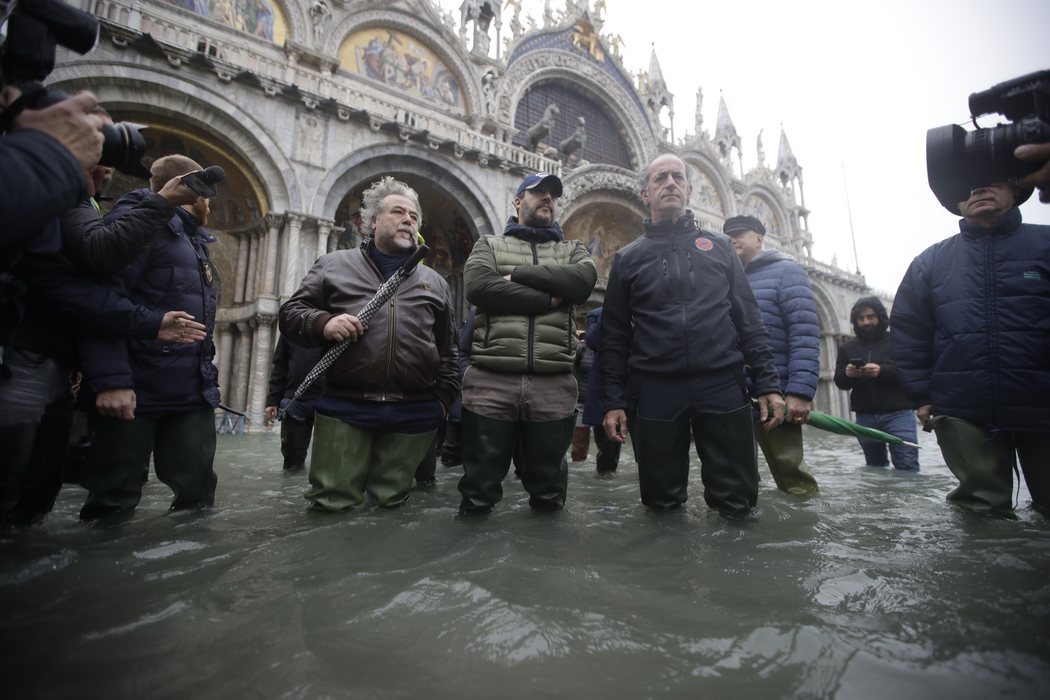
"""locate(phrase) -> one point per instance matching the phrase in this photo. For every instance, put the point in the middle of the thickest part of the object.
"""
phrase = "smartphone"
(857, 361)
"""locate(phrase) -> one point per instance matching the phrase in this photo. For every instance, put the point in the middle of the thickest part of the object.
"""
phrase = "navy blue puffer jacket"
(790, 315)
(971, 326)
(167, 275)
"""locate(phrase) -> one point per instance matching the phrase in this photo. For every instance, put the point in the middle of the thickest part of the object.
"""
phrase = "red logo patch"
(703, 244)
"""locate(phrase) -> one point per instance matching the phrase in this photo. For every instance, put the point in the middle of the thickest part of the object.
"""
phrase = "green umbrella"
(842, 426)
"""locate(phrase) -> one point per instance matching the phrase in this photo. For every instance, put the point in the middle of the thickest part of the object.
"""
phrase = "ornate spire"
(657, 96)
(787, 165)
(726, 137)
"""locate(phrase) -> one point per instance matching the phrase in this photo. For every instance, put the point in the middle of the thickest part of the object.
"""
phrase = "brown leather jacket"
(408, 352)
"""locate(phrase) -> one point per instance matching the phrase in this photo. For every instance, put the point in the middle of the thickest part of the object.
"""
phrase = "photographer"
(105, 248)
(42, 162)
(865, 368)
(971, 338)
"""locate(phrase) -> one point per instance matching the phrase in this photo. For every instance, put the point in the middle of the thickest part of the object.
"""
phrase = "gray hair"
(643, 176)
(372, 200)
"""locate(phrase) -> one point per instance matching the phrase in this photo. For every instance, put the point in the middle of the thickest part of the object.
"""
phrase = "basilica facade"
(305, 103)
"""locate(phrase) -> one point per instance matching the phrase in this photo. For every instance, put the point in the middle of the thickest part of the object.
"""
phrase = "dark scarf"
(553, 233)
(388, 264)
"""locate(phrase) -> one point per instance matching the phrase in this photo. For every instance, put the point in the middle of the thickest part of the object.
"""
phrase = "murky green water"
(874, 589)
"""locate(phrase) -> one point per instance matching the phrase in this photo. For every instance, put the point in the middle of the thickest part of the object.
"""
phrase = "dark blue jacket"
(790, 315)
(971, 326)
(41, 179)
(169, 274)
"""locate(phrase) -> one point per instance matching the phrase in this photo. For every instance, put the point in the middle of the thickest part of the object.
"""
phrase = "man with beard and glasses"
(519, 389)
(154, 397)
(866, 369)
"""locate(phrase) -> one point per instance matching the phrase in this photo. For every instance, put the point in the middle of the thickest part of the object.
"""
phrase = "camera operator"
(1037, 152)
(971, 338)
(105, 248)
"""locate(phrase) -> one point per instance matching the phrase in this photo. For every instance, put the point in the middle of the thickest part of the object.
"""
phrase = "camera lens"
(123, 147)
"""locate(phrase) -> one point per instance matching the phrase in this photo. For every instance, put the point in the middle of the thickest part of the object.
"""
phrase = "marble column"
(333, 238)
(292, 276)
(269, 285)
(242, 269)
(224, 356)
(251, 285)
(241, 366)
(262, 360)
(324, 231)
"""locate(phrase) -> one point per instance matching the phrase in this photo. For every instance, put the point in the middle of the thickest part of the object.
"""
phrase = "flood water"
(874, 589)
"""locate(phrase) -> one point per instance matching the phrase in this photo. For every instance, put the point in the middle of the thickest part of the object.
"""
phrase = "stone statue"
(699, 111)
(539, 131)
(320, 13)
(760, 151)
(576, 141)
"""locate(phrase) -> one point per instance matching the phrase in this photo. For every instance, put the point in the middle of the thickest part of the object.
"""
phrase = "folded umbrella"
(842, 426)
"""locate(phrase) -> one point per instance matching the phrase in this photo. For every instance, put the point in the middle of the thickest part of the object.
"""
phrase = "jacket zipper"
(532, 319)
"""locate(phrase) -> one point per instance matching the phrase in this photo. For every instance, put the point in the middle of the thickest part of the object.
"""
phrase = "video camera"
(34, 29)
(960, 161)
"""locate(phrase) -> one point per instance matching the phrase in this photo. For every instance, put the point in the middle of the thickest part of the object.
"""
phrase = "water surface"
(876, 588)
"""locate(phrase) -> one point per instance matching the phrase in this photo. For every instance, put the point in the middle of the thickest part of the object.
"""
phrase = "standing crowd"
(704, 338)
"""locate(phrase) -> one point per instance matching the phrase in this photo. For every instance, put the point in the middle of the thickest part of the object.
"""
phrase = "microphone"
(203, 181)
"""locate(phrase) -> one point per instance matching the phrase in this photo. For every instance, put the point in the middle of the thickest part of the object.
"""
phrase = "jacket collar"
(1005, 224)
(684, 224)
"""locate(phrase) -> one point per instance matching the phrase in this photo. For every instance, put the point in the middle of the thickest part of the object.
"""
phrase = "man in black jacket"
(679, 325)
(865, 368)
(291, 364)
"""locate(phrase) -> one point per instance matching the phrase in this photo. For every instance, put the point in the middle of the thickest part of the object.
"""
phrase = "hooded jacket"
(679, 305)
(971, 326)
(516, 330)
(881, 394)
(789, 313)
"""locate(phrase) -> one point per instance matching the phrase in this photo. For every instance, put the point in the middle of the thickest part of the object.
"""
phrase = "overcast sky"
(855, 85)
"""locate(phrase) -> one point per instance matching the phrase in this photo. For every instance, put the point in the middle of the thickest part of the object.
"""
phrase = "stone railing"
(318, 80)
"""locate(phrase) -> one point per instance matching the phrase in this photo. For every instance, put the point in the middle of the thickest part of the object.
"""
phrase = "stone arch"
(602, 208)
(709, 167)
(438, 40)
(775, 218)
(560, 66)
(144, 90)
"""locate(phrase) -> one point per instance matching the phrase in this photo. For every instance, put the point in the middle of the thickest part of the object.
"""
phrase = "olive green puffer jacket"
(516, 329)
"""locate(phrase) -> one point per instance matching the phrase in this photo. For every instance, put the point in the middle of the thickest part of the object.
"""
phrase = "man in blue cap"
(519, 388)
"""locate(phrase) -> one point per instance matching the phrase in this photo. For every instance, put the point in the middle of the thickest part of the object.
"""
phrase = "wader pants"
(728, 461)
(347, 462)
(984, 463)
(782, 448)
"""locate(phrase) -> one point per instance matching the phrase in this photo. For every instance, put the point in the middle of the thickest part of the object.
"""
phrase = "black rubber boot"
(488, 444)
(726, 445)
(607, 458)
(544, 471)
(661, 449)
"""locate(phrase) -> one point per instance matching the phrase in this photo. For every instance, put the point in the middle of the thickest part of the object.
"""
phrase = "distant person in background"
(291, 364)
(607, 458)
(971, 339)
(582, 365)
(865, 368)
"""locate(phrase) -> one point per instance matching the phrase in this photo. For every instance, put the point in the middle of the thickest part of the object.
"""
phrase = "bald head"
(665, 188)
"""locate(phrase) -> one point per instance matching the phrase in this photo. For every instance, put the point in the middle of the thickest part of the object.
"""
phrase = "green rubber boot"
(338, 464)
(982, 463)
(395, 459)
(782, 448)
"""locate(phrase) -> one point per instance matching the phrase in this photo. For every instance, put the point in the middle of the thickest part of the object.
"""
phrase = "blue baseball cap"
(533, 181)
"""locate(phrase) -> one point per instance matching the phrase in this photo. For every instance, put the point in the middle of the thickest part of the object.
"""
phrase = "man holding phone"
(865, 368)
